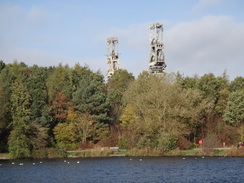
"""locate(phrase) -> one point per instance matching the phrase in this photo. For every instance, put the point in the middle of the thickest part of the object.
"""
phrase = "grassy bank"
(89, 153)
(4, 156)
(155, 152)
(233, 151)
(106, 152)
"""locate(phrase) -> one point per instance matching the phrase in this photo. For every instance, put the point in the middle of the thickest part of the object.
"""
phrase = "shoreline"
(197, 152)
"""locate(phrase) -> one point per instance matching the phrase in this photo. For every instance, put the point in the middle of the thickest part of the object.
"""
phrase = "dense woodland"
(66, 107)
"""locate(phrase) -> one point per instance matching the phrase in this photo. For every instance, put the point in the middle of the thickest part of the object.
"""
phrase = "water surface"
(124, 169)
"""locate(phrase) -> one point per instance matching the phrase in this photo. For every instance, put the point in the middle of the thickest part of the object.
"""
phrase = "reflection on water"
(124, 169)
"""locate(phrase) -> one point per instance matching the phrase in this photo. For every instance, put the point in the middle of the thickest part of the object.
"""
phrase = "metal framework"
(156, 58)
(112, 56)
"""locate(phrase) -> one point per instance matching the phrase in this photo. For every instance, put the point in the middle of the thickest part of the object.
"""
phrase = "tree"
(59, 80)
(5, 118)
(117, 85)
(35, 79)
(66, 135)
(60, 108)
(90, 97)
(121, 79)
(157, 104)
(189, 82)
(211, 86)
(86, 126)
(115, 104)
(4, 109)
(237, 84)
(127, 118)
(78, 72)
(2, 65)
(77, 129)
(234, 112)
(38, 136)
(215, 91)
(8, 75)
(19, 143)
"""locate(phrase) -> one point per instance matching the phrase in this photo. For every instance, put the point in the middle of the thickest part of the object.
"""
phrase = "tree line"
(66, 107)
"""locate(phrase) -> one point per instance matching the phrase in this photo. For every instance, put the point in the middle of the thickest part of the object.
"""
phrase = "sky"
(200, 36)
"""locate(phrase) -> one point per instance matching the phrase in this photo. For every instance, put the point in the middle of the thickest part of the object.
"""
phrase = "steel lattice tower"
(156, 58)
(112, 56)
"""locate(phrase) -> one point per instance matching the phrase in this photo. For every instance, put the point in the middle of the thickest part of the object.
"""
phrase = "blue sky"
(200, 36)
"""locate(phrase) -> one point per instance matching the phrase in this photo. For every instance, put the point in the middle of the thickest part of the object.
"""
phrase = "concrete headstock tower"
(156, 58)
(112, 56)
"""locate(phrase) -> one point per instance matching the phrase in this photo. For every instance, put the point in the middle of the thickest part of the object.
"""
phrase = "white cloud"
(202, 4)
(37, 14)
(210, 44)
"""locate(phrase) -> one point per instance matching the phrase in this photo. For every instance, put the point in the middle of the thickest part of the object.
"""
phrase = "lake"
(124, 169)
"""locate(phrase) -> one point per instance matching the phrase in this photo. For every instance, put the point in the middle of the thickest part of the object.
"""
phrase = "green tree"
(90, 97)
(19, 143)
(117, 85)
(2, 65)
(59, 80)
(157, 104)
(78, 72)
(35, 80)
(234, 112)
(4, 109)
(114, 98)
(189, 82)
(66, 135)
(121, 79)
(237, 84)
(9, 73)
(215, 91)
(211, 86)
(38, 136)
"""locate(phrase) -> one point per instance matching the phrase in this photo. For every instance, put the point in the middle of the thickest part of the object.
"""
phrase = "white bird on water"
(21, 164)
(78, 161)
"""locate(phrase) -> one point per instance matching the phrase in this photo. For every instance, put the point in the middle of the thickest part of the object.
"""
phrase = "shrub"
(167, 142)
(122, 142)
(209, 143)
(55, 153)
(184, 144)
(39, 153)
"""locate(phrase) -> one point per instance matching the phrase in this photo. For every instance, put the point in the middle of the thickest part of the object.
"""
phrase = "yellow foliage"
(66, 133)
(127, 118)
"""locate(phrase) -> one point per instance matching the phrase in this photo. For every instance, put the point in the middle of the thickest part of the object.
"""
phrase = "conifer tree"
(19, 143)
